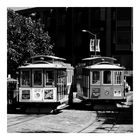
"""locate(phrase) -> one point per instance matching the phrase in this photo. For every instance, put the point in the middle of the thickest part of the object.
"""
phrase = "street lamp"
(86, 31)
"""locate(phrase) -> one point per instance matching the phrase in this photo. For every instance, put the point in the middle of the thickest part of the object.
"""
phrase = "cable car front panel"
(106, 84)
(42, 85)
(102, 82)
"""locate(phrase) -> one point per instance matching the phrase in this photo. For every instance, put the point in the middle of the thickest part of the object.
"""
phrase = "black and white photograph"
(69, 69)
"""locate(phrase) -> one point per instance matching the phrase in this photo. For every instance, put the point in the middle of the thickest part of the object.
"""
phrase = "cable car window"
(61, 83)
(61, 76)
(49, 78)
(37, 78)
(25, 78)
(107, 77)
(95, 77)
(117, 77)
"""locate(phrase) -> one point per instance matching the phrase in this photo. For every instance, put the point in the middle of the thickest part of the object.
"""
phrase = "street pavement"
(78, 118)
(65, 121)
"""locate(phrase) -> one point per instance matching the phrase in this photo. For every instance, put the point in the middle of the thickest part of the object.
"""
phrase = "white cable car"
(46, 80)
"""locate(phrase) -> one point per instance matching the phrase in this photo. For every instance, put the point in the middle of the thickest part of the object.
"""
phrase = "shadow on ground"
(111, 113)
(32, 110)
(97, 107)
(117, 117)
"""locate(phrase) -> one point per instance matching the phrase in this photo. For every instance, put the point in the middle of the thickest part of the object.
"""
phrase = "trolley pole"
(95, 36)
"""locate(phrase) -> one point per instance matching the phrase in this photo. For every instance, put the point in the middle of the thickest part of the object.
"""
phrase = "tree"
(25, 38)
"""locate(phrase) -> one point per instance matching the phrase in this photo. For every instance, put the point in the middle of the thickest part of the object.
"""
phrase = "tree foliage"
(25, 38)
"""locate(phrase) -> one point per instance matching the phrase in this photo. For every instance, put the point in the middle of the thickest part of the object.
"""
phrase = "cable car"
(44, 80)
(99, 79)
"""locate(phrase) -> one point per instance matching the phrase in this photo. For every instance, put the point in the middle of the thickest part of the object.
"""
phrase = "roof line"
(48, 56)
(101, 57)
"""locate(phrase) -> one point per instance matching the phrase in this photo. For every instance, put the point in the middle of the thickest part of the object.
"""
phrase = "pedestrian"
(127, 87)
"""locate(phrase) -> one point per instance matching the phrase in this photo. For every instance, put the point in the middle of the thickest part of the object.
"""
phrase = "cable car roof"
(45, 65)
(48, 56)
(104, 66)
(99, 57)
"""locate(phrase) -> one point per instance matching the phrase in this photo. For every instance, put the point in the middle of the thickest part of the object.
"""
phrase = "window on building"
(124, 13)
(25, 78)
(95, 77)
(107, 77)
(37, 78)
(124, 37)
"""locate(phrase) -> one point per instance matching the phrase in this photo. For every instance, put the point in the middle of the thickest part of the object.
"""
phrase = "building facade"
(112, 25)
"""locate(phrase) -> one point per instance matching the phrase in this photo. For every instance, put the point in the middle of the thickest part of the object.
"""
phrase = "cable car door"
(50, 89)
(61, 84)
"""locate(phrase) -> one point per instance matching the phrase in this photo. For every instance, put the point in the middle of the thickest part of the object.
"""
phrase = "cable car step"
(62, 106)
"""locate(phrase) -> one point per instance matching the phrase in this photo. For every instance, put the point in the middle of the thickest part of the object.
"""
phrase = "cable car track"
(98, 123)
(23, 120)
(100, 120)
